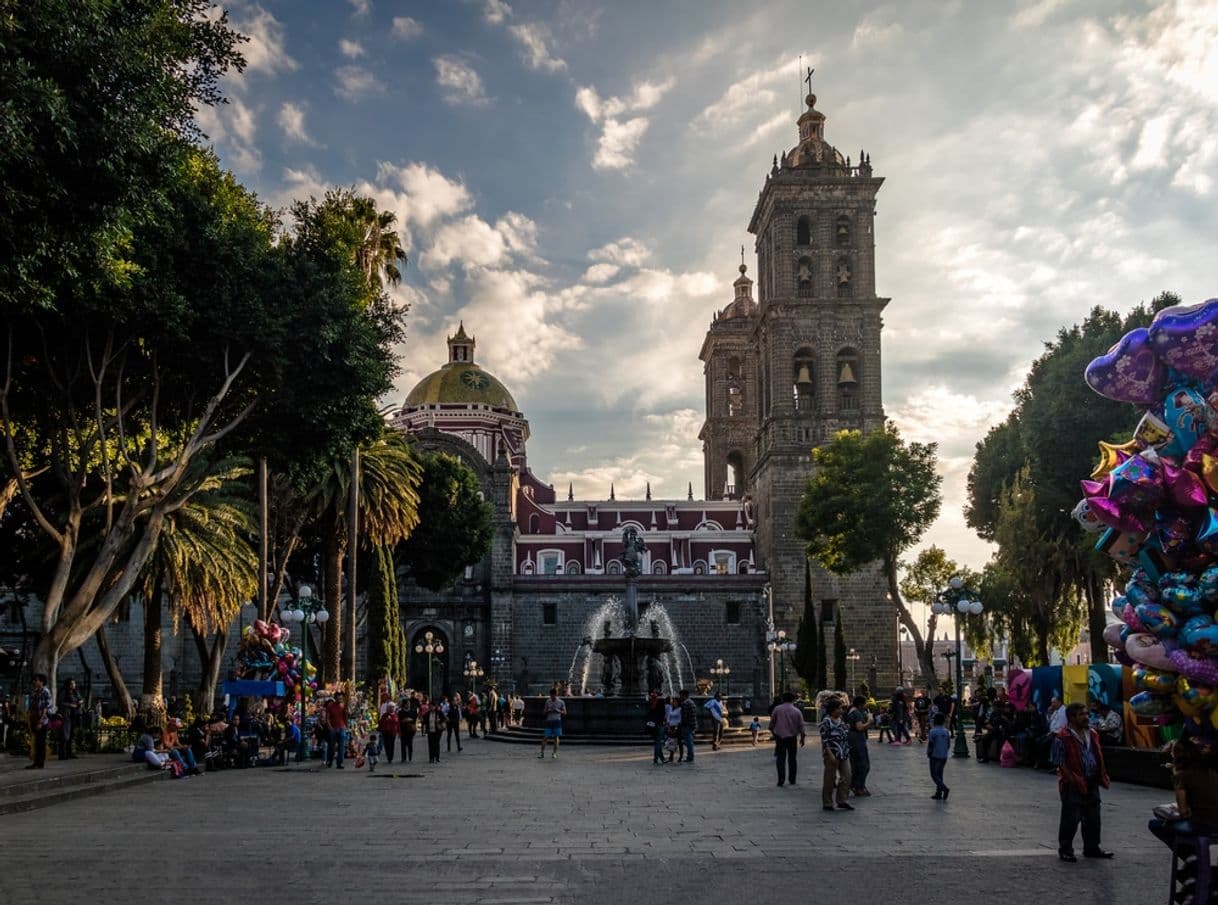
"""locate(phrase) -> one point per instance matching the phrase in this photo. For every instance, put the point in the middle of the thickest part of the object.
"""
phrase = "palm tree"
(389, 477)
(205, 564)
(380, 246)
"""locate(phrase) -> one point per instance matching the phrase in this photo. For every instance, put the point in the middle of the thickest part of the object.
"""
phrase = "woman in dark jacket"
(654, 721)
(408, 725)
(434, 725)
(69, 710)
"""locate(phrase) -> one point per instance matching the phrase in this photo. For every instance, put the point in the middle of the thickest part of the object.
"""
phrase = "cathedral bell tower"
(812, 359)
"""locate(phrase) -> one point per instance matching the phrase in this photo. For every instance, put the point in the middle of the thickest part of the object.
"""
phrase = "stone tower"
(812, 356)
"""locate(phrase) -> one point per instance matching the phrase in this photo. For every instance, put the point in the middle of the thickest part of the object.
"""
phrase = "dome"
(461, 381)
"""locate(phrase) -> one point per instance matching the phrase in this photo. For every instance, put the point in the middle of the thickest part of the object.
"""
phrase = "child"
(373, 751)
(755, 730)
(938, 747)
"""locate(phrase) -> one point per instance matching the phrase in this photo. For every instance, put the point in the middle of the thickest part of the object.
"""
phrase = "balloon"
(1200, 635)
(1137, 483)
(1152, 432)
(1112, 455)
(1112, 635)
(1187, 415)
(1207, 534)
(1154, 680)
(1086, 519)
(1182, 600)
(1184, 337)
(1130, 616)
(1140, 588)
(1149, 651)
(1019, 688)
(1173, 533)
(1158, 619)
(1207, 585)
(1199, 696)
(1123, 546)
(1184, 487)
(1146, 704)
(1199, 669)
(1129, 371)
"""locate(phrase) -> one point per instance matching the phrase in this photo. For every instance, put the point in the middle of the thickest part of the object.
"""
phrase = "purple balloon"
(1129, 371)
(1186, 338)
(1184, 486)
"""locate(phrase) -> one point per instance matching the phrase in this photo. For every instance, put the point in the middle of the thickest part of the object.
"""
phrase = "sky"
(574, 180)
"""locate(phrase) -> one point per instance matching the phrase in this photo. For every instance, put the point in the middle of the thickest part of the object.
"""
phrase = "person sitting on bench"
(1194, 772)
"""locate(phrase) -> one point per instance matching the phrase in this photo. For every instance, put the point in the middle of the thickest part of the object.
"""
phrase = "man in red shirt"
(336, 717)
(1080, 773)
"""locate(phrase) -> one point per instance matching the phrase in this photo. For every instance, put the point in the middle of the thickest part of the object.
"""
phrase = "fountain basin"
(617, 717)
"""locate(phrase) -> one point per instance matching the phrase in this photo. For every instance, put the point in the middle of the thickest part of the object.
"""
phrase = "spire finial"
(743, 266)
(612, 496)
(570, 492)
(691, 491)
(649, 490)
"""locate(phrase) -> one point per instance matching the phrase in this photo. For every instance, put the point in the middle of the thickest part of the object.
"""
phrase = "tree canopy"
(455, 527)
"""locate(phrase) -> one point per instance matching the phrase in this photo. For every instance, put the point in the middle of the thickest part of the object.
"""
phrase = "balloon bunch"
(265, 654)
(1155, 498)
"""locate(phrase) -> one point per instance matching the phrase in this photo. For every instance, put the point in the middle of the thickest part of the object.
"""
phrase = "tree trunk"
(925, 652)
(333, 567)
(152, 699)
(126, 706)
(1097, 616)
(352, 553)
(209, 660)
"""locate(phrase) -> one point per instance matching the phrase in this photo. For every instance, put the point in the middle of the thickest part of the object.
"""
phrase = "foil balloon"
(1158, 619)
(1174, 533)
(1148, 650)
(1200, 635)
(1207, 534)
(1152, 432)
(1183, 600)
(1129, 371)
(1085, 518)
(1154, 680)
(1185, 337)
(1125, 517)
(1130, 617)
(1199, 669)
(1112, 455)
(1146, 704)
(1019, 688)
(1188, 417)
(1137, 483)
(1184, 487)
(1123, 546)
(1113, 635)
(1140, 588)
(1207, 585)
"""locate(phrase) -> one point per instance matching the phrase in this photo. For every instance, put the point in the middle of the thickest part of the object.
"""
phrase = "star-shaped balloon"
(1112, 455)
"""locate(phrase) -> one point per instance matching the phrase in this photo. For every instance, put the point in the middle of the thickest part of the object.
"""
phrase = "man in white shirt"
(1057, 715)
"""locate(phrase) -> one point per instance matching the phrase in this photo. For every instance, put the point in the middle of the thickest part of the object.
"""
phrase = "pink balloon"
(1149, 651)
(1019, 688)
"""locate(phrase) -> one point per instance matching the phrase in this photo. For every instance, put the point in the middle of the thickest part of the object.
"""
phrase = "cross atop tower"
(808, 79)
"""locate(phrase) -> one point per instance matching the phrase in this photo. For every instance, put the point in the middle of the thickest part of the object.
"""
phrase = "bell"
(846, 375)
(805, 376)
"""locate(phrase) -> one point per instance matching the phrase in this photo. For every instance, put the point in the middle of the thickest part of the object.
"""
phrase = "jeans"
(860, 766)
(407, 746)
(900, 731)
(185, 757)
(40, 745)
(717, 733)
(338, 746)
(1079, 807)
(657, 744)
(454, 728)
(65, 738)
(389, 742)
(785, 753)
(433, 747)
(936, 773)
(688, 736)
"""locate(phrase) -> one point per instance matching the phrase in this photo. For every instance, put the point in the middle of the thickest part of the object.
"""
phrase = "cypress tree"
(822, 663)
(839, 652)
(808, 638)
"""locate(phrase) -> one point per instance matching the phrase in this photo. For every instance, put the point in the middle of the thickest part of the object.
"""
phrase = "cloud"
(406, 28)
(873, 33)
(360, 8)
(303, 182)
(533, 41)
(355, 82)
(419, 194)
(625, 251)
(291, 120)
(619, 138)
(748, 97)
(264, 51)
(461, 83)
(350, 49)
(600, 273)
(234, 127)
(1033, 14)
(496, 11)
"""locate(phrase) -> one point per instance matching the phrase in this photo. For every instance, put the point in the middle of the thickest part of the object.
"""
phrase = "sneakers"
(554, 756)
(541, 756)
(938, 796)
(828, 807)
(946, 792)
(845, 806)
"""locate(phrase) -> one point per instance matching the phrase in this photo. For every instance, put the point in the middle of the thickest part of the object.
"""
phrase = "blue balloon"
(1186, 413)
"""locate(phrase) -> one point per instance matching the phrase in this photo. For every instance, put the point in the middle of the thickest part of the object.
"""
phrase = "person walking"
(69, 709)
(689, 723)
(518, 709)
(408, 724)
(718, 712)
(654, 723)
(452, 718)
(835, 746)
(900, 718)
(432, 717)
(554, 710)
(787, 724)
(336, 719)
(938, 747)
(921, 709)
(472, 718)
(389, 727)
(1080, 774)
(672, 730)
(857, 721)
(39, 716)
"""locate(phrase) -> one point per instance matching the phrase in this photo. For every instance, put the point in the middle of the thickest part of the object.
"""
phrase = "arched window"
(803, 277)
(803, 231)
(526, 569)
(613, 567)
(841, 231)
(735, 475)
(803, 374)
(573, 567)
(842, 275)
(534, 523)
(744, 567)
(658, 567)
(847, 381)
(735, 367)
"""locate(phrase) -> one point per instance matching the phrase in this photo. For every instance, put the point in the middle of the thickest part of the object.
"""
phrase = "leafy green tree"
(386, 637)
(808, 638)
(455, 524)
(924, 578)
(839, 653)
(870, 498)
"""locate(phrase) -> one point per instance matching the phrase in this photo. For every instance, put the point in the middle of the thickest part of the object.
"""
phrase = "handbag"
(54, 722)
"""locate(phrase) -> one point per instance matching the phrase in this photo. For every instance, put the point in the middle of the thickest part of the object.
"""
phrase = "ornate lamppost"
(309, 610)
(853, 656)
(473, 672)
(958, 600)
(721, 671)
(771, 635)
(433, 647)
(782, 647)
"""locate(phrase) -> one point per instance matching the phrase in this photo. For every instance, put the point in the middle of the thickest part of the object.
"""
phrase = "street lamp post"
(958, 600)
(473, 672)
(853, 656)
(432, 646)
(721, 671)
(770, 634)
(781, 646)
(309, 610)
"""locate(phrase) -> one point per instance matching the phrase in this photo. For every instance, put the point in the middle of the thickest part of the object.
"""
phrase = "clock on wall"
(475, 380)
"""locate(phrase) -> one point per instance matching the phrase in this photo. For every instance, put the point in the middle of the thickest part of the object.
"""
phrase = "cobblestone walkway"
(497, 825)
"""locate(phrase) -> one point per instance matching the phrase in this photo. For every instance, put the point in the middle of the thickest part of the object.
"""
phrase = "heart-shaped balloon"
(1129, 371)
(1185, 337)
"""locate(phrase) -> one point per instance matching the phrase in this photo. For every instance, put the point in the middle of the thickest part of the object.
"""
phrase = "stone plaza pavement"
(598, 825)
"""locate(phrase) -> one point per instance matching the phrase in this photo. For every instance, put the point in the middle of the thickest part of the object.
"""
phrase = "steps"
(33, 789)
(528, 735)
